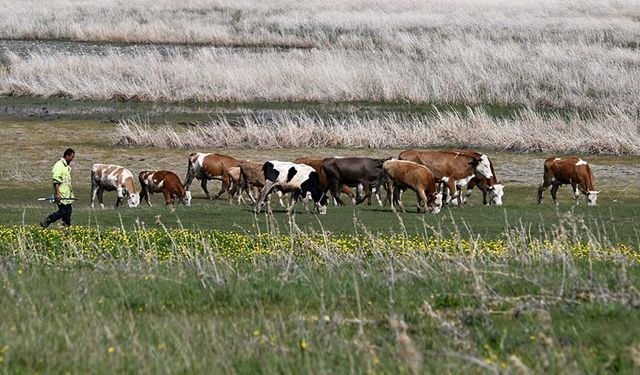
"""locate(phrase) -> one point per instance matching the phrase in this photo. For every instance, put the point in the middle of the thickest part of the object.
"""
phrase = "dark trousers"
(64, 213)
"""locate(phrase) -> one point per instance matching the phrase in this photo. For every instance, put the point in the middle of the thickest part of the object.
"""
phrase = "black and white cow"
(299, 179)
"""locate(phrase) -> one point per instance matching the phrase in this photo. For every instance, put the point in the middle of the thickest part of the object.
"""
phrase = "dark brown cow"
(568, 170)
(165, 182)
(352, 172)
(402, 174)
(206, 167)
(452, 168)
(317, 165)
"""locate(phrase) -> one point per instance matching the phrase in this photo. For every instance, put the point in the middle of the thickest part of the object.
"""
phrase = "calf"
(113, 177)
(165, 182)
(206, 167)
(451, 167)
(568, 170)
(299, 179)
(402, 174)
(252, 180)
(354, 171)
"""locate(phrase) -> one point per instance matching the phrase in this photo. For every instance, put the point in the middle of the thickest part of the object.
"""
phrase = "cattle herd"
(437, 178)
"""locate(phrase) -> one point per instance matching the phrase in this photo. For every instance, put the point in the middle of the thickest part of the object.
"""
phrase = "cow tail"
(190, 174)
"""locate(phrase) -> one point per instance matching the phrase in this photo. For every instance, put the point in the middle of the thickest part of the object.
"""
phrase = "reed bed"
(572, 55)
(614, 133)
(313, 23)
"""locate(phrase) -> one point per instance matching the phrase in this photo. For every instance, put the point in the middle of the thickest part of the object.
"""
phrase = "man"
(61, 173)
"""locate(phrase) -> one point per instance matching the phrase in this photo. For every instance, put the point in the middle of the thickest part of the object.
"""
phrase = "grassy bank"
(312, 307)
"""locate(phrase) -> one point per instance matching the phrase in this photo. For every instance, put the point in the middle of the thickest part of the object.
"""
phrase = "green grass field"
(305, 307)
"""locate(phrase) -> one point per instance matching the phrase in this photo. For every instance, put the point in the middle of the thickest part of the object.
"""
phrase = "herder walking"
(63, 192)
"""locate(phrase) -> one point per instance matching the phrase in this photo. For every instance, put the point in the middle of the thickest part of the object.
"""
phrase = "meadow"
(522, 288)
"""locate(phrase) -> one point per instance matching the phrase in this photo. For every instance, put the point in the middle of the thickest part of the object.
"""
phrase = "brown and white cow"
(165, 182)
(317, 165)
(206, 167)
(488, 186)
(403, 174)
(451, 167)
(568, 170)
(111, 177)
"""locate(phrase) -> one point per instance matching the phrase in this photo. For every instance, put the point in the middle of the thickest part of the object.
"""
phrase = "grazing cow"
(206, 167)
(568, 170)
(486, 185)
(165, 182)
(252, 181)
(354, 171)
(299, 179)
(402, 174)
(113, 177)
(236, 184)
(451, 167)
(317, 165)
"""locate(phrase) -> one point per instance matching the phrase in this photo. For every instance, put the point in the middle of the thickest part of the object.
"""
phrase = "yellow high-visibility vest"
(61, 173)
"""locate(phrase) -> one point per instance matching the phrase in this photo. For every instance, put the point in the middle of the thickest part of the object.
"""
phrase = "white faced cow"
(568, 170)
(451, 167)
(111, 177)
(490, 187)
(299, 179)
(165, 182)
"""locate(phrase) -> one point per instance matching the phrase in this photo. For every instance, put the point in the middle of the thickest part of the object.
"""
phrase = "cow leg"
(390, 193)
(543, 186)
(266, 190)
(453, 190)
(400, 204)
(225, 184)
(295, 195)
(421, 196)
(144, 194)
(167, 197)
(377, 193)
(367, 192)
(100, 193)
(335, 191)
(485, 192)
(554, 192)
(576, 192)
(203, 184)
(280, 194)
(94, 192)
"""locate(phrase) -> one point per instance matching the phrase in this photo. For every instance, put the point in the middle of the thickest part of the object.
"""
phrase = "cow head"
(434, 201)
(592, 197)
(321, 205)
(496, 191)
(187, 198)
(482, 166)
(133, 200)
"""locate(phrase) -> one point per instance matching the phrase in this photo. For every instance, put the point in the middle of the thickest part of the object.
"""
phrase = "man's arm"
(58, 196)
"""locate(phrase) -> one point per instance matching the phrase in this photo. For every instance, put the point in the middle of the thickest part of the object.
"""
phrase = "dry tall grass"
(313, 23)
(613, 133)
(538, 53)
